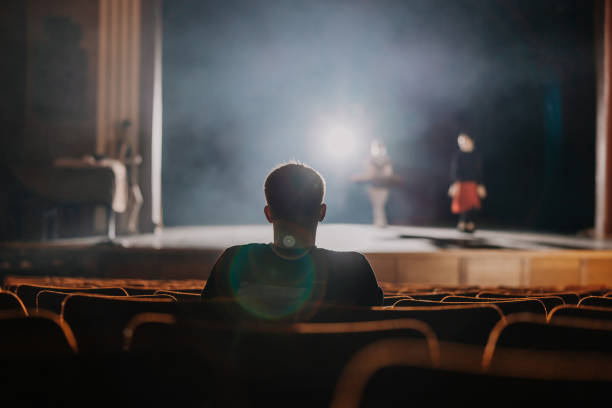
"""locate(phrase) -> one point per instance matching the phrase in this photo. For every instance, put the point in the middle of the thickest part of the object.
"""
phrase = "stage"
(398, 254)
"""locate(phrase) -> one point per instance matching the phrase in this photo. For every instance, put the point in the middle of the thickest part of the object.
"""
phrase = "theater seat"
(180, 296)
(508, 306)
(295, 363)
(596, 301)
(98, 320)
(41, 333)
(11, 302)
(27, 293)
(388, 374)
(533, 332)
(582, 312)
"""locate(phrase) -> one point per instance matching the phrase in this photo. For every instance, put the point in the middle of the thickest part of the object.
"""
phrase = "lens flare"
(268, 291)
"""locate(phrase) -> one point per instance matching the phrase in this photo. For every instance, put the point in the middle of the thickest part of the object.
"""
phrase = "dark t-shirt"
(466, 166)
(273, 282)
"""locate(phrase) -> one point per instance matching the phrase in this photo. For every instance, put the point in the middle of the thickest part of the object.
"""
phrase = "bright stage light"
(339, 142)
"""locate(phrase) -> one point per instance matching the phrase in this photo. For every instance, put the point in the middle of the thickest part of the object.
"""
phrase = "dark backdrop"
(249, 84)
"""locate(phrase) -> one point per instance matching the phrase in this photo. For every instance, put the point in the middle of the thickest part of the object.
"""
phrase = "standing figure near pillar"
(466, 189)
(379, 177)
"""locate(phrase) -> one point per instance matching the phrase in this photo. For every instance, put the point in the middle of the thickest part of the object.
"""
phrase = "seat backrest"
(532, 332)
(50, 300)
(549, 301)
(570, 298)
(387, 373)
(431, 296)
(584, 312)
(27, 293)
(416, 303)
(97, 321)
(11, 302)
(508, 306)
(180, 296)
(40, 333)
(596, 301)
(464, 323)
(293, 354)
(390, 300)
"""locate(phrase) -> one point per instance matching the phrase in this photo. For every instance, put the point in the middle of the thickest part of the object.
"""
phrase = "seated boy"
(278, 279)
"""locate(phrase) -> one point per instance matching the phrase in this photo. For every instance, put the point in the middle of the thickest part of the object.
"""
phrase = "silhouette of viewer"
(277, 279)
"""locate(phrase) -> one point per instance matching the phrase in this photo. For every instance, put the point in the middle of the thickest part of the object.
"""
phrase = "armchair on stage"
(77, 182)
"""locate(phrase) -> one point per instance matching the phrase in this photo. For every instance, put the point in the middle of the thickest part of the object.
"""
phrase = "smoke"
(250, 84)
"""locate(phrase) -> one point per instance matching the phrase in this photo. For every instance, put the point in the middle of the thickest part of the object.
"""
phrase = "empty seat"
(596, 301)
(416, 303)
(27, 293)
(181, 296)
(39, 362)
(464, 323)
(390, 300)
(300, 361)
(41, 333)
(549, 301)
(431, 296)
(11, 302)
(50, 300)
(98, 321)
(533, 332)
(570, 298)
(583, 312)
(387, 373)
(507, 306)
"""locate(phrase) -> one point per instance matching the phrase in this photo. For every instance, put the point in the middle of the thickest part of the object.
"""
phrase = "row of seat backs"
(98, 321)
(569, 297)
(28, 293)
(152, 333)
(385, 373)
(324, 352)
(508, 303)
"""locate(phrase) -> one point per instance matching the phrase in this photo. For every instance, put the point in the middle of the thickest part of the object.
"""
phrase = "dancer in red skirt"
(467, 189)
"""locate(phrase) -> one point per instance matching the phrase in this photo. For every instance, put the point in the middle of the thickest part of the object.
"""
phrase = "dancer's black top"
(466, 166)
(268, 277)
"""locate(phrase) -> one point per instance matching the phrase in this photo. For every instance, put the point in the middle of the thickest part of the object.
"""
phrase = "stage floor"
(356, 237)
(398, 254)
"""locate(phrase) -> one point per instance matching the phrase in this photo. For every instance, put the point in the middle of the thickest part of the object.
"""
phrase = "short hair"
(294, 192)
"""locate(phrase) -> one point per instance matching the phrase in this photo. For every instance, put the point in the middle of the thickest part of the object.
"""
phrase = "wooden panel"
(384, 267)
(558, 272)
(430, 270)
(493, 271)
(597, 271)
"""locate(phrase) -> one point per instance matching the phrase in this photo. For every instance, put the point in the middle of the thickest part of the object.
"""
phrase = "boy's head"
(294, 192)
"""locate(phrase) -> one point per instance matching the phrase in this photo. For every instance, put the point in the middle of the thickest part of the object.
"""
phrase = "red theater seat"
(41, 333)
(533, 332)
(387, 373)
(508, 306)
(11, 302)
(596, 301)
(98, 320)
(181, 296)
(295, 363)
(582, 312)
(27, 293)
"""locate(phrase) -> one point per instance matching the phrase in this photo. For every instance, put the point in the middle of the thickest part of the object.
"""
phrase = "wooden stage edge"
(402, 255)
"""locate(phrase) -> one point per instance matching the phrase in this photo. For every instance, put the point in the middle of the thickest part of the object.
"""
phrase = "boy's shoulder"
(352, 258)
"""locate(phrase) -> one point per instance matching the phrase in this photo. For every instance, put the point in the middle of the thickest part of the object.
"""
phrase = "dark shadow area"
(456, 243)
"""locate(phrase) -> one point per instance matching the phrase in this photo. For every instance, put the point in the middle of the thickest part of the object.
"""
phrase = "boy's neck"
(291, 235)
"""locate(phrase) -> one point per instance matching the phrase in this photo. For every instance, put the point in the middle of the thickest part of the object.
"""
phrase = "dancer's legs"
(378, 197)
